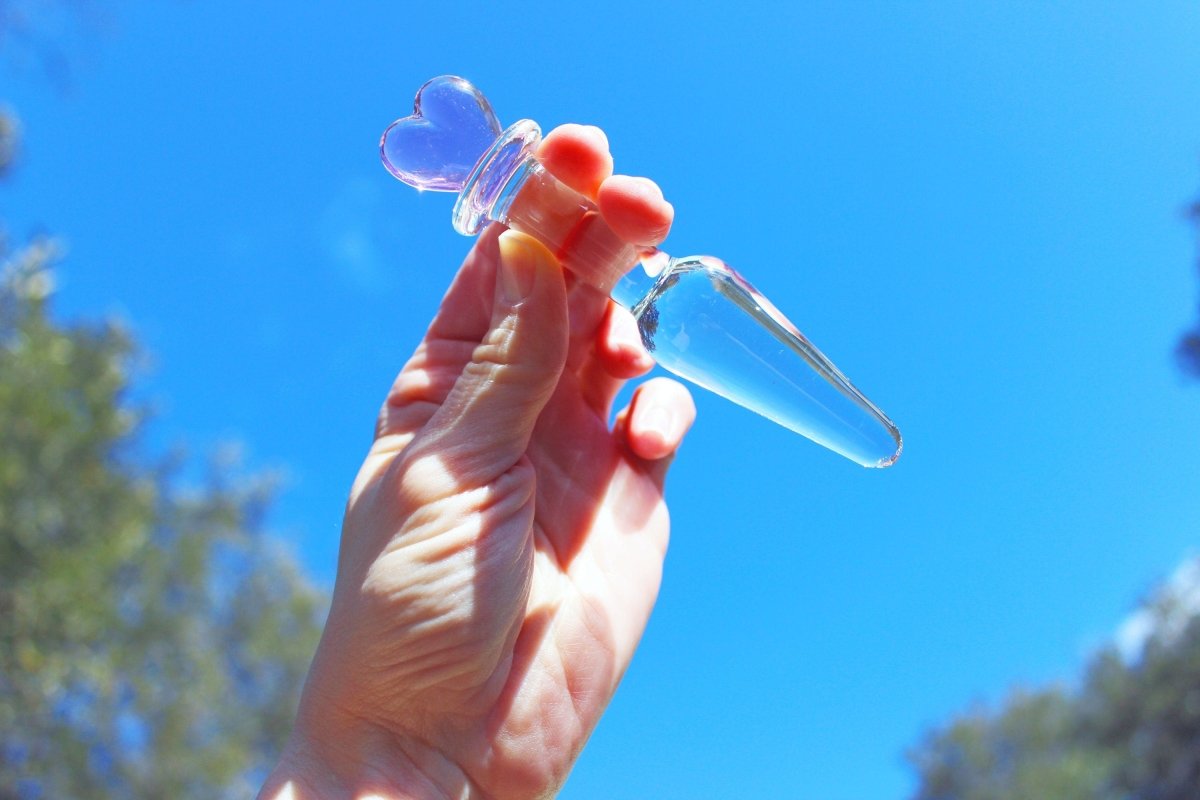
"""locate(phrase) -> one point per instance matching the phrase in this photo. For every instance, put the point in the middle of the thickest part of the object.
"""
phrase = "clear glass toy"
(698, 318)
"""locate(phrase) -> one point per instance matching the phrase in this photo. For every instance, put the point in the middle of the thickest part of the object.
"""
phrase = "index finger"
(578, 156)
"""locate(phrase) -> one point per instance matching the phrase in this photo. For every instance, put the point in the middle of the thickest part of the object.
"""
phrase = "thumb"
(483, 427)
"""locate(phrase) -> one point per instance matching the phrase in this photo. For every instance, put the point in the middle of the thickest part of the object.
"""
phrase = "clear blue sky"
(974, 208)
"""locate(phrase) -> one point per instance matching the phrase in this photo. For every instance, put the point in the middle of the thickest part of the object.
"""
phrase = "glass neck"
(637, 283)
(508, 185)
(570, 225)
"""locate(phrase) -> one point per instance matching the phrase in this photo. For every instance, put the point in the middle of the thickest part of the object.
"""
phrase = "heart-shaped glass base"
(436, 148)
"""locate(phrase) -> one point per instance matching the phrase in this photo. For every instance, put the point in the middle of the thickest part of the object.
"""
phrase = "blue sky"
(974, 208)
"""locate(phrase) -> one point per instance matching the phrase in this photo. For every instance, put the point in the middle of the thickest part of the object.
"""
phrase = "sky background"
(975, 209)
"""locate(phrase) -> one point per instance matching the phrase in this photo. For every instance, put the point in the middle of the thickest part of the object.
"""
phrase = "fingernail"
(625, 331)
(659, 420)
(519, 257)
(647, 188)
(597, 135)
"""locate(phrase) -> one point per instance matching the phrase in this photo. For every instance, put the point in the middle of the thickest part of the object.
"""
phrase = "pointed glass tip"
(704, 322)
(894, 457)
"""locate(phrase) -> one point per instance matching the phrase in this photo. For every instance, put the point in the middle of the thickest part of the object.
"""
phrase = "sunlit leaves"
(1130, 731)
(152, 639)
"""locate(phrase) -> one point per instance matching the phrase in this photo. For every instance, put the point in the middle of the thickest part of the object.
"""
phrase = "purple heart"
(451, 126)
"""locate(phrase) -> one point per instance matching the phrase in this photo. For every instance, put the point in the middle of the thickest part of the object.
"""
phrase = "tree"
(1188, 349)
(1130, 731)
(8, 140)
(152, 638)
(1030, 750)
(1148, 711)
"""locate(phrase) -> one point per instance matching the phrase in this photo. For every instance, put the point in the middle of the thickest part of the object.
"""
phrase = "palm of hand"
(511, 642)
(493, 585)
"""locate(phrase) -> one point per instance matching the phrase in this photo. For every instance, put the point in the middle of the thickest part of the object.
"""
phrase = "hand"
(502, 546)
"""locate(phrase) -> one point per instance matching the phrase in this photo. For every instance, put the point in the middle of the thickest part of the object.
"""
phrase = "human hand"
(502, 546)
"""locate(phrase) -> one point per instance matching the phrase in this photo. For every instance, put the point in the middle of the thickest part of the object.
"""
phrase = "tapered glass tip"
(894, 442)
(704, 322)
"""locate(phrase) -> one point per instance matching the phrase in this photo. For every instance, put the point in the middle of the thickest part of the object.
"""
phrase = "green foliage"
(1031, 750)
(1188, 349)
(152, 643)
(1150, 712)
(1130, 732)
(9, 138)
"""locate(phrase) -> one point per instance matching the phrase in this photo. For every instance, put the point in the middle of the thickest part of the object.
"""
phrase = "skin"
(503, 545)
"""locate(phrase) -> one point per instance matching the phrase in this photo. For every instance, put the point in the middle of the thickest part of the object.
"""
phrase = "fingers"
(578, 156)
(607, 350)
(619, 346)
(659, 415)
(483, 427)
(617, 355)
(634, 208)
(465, 312)
(462, 321)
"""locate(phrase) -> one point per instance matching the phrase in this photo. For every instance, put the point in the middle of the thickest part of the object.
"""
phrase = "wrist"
(302, 774)
(363, 764)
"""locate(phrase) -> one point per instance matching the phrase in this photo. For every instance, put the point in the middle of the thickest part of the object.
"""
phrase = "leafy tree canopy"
(1188, 350)
(152, 641)
(1131, 731)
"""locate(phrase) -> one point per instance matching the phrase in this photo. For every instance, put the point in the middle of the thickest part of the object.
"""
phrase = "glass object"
(698, 318)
